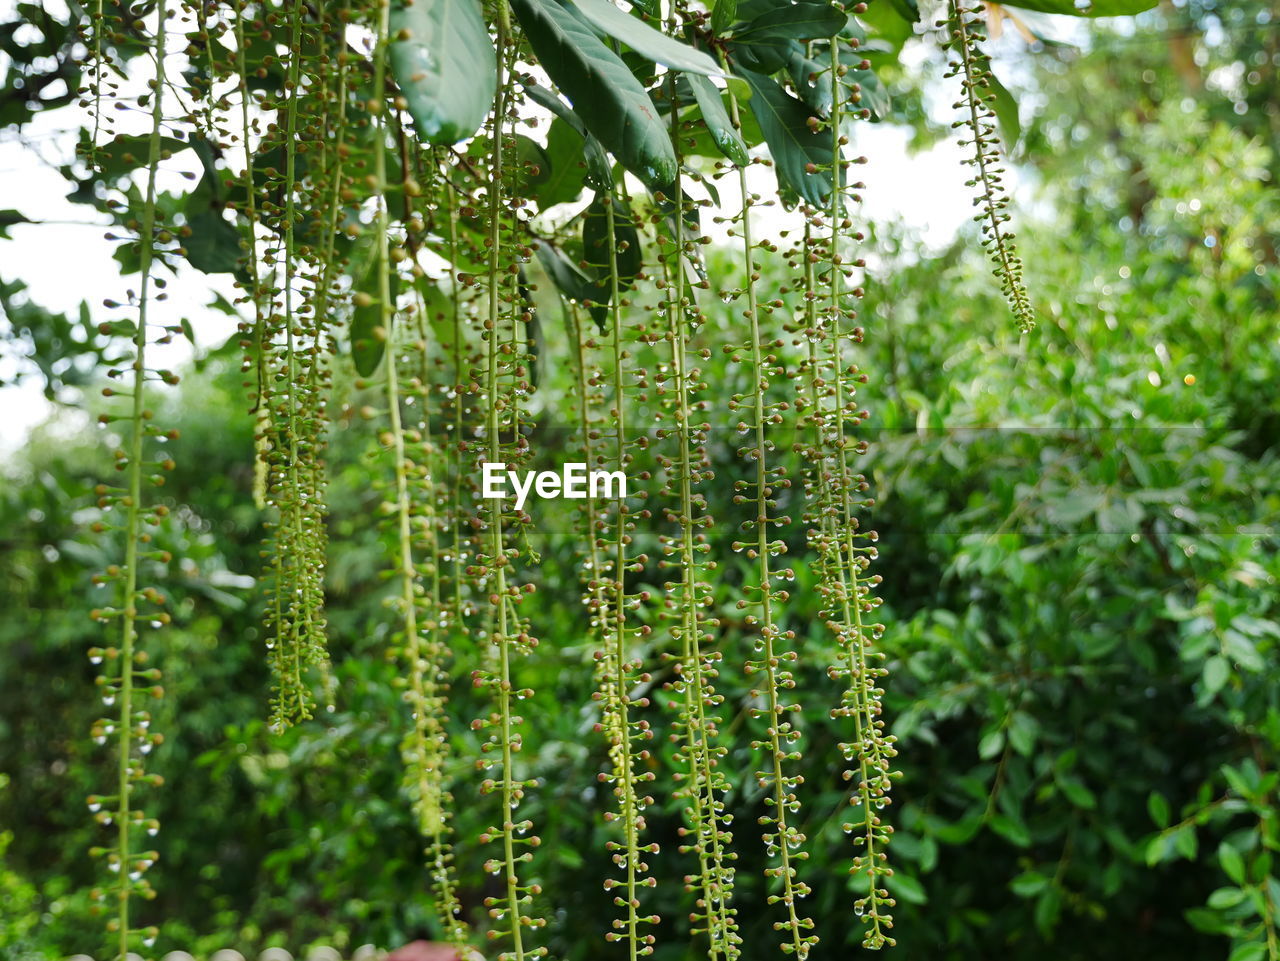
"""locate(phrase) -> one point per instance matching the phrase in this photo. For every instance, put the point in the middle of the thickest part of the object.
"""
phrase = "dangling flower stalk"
(834, 492)
(704, 784)
(254, 341)
(971, 63)
(619, 674)
(297, 641)
(511, 910)
(425, 746)
(782, 839)
(121, 685)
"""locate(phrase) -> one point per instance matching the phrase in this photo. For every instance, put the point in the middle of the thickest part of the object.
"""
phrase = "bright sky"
(64, 259)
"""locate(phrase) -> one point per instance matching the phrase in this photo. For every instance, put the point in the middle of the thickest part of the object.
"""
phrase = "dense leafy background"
(1080, 592)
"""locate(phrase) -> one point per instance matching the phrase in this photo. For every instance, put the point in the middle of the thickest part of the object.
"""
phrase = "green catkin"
(425, 747)
(834, 492)
(510, 912)
(971, 64)
(296, 637)
(124, 678)
(783, 840)
(702, 784)
(252, 333)
(620, 672)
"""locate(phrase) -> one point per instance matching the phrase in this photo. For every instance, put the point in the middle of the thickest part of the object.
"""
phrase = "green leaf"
(1186, 842)
(1048, 908)
(1096, 8)
(1006, 111)
(214, 245)
(1248, 951)
(128, 152)
(1013, 831)
(792, 144)
(800, 68)
(1232, 862)
(1158, 808)
(645, 40)
(1023, 730)
(991, 744)
(568, 171)
(599, 172)
(907, 888)
(368, 343)
(714, 115)
(1076, 792)
(1215, 674)
(444, 64)
(9, 218)
(571, 281)
(534, 166)
(597, 242)
(806, 20)
(605, 95)
(908, 10)
(1226, 898)
(1028, 884)
(723, 13)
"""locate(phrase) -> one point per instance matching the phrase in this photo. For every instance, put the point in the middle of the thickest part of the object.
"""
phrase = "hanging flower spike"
(125, 679)
(782, 839)
(971, 64)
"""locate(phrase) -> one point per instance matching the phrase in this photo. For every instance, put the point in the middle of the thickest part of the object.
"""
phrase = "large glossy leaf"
(723, 13)
(568, 277)
(599, 171)
(806, 20)
(214, 245)
(597, 243)
(1006, 111)
(714, 115)
(605, 95)
(568, 171)
(645, 40)
(368, 341)
(1095, 8)
(783, 119)
(445, 66)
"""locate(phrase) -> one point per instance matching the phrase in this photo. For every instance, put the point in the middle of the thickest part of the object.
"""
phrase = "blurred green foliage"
(1079, 551)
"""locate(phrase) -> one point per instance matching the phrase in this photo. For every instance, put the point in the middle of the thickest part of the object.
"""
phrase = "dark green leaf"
(714, 115)
(792, 144)
(607, 98)
(214, 245)
(1006, 111)
(599, 171)
(1079, 8)
(1232, 863)
(534, 166)
(723, 13)
(908, 10)
(568, 171)
(9, 218)
(597, 244)
(806, 20)
(368, 338)
(564, 273)
(645, 40)
(817, 92)
(445, 66)
(1158, 808)
(874, 95)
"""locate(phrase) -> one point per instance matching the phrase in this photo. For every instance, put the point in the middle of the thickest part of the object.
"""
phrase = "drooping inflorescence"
(125, 680)
(381, 212)
(971, 64)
